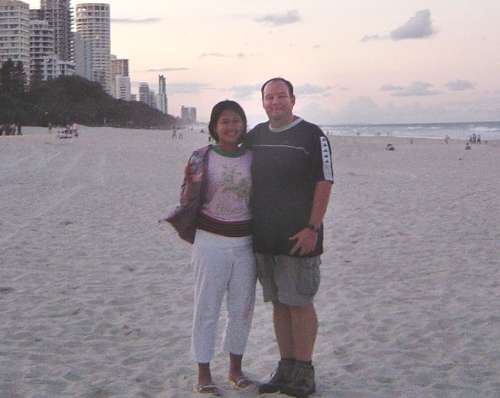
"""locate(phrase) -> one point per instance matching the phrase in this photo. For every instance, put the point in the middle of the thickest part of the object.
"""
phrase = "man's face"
(277, 102)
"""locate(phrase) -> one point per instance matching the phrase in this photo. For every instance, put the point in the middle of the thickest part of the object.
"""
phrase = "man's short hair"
(278, 79)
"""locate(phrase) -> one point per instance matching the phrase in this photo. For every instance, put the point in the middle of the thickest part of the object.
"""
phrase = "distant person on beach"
(215, 216)
(292, 179)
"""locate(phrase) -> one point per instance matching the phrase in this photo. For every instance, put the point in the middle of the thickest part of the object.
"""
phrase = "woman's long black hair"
(217, 111)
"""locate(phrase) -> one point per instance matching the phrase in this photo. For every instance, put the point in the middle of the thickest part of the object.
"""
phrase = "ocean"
(462, 131)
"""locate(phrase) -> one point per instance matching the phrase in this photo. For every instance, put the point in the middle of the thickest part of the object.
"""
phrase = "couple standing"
(256, 211)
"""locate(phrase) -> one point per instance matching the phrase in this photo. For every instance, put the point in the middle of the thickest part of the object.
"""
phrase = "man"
(292, 179)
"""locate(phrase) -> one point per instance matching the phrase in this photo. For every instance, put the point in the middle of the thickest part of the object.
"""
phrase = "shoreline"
(329, 133)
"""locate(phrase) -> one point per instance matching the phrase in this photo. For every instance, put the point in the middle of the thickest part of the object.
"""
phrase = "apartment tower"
(188, 114)
(15, 33)
(120, 78)
(42, 49)
(58, 13)
(122, 88)
(162, 94)
(93, 24)
(144, 95)
(82, 56)
(119, 66)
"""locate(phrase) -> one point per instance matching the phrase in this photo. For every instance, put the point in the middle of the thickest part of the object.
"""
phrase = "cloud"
(360, 108)
(215, 55)
(167, 69)
(221, 55)
(415, 89)
(287, 18)
(390, 87)
(137, 21)
(311, 89)
(340, 88)
(176, 88)
(245, 91)
(460, 85)
(417, 27)
(187, 88)
(363, 110)
(373, 38)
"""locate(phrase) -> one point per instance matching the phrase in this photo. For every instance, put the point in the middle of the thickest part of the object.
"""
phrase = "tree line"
(70, 99)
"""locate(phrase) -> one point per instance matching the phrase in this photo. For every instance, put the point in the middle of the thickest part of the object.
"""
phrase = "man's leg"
(283, 328)
(304, 330)
(296, 328)
(269, 272)
(300, 283)
(304, 327)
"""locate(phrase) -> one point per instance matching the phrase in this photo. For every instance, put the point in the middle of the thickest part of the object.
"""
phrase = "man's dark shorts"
(290, 280)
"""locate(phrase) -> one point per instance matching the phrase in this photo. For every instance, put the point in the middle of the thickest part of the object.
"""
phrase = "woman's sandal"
(208, 389)
(242, 383)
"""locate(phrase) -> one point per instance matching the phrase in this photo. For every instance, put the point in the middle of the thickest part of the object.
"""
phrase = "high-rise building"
(120, 77)
(122, 88)
(15, 33)
(53, 67)
(82, 56)
(42, 48)
(58, 13)
(144, 95)
(188, 114)
(153, 100)
(162, 94)
(36, 14)
(119, 66)
(93, 23)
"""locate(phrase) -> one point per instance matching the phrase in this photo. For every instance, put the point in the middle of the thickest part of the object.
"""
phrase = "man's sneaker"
(280, 377)
(302, 381)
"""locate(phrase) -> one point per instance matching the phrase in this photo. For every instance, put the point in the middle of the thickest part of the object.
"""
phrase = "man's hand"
(306, 242)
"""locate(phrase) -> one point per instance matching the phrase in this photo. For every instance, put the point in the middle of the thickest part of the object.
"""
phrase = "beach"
(96, 295)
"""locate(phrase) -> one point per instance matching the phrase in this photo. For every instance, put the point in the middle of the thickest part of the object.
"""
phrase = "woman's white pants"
(222, 266)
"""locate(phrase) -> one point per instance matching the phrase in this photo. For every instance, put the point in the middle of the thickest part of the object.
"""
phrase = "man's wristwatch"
(312, 227)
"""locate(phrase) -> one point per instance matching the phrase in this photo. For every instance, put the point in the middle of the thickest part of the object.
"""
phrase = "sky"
(351, 61)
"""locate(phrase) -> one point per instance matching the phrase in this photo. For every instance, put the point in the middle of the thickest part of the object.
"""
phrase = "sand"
(96, 296)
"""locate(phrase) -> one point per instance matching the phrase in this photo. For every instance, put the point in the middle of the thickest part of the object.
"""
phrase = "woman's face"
(229, 128)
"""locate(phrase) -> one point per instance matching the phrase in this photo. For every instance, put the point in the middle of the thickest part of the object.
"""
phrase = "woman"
(216, 194)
